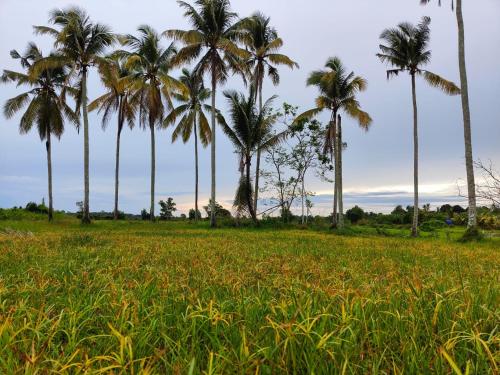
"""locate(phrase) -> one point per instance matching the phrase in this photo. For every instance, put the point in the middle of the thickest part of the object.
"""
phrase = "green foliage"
(21, 214)
(135, 298)
(36, 208)
(167, 209)
(220, 211)
(355, 214)
(432, 225)
(145, 214)
(194, 214)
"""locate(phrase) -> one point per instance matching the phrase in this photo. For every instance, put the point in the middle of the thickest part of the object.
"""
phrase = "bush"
(432, 225)
(193, 214)
(36, 208)
(489, 221)
(144, 214)
(355, 214)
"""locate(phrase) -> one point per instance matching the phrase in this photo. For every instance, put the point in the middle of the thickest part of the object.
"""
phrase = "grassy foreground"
(178, 298)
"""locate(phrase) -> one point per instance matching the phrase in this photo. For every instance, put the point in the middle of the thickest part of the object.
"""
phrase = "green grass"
(134, 297)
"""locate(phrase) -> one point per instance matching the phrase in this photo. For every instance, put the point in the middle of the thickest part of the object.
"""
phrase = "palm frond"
(439, 82)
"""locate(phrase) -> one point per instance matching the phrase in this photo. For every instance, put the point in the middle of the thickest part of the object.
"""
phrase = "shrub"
(355, 214)
(432, 225)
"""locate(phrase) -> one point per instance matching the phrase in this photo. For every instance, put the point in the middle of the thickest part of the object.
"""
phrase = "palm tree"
(191, 112)
(118, 98)
(45, 102)
(81, 44)
(464, 89)
(263, 43)
(251, 128)
(338, 91)
(214, 33)
(150, 64)
(406, 51)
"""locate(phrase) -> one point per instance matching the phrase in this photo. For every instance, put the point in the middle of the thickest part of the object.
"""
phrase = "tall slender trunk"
(333, 125)
(117, 169)
(257, 163)
(195, 169)
(302, 193)
(248, 190)
(339, 176)
(153, 169)
(308, 211)
(86, 178)
(117, 156)
(414, 228)
(48, 146)
(213, 219)
(471, 185)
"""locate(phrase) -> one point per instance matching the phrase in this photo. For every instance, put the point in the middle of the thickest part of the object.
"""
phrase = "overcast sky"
(377, 165)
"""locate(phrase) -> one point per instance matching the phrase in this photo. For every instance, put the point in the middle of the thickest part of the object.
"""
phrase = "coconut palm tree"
(406, 51)
(263, 43)
(191, 118)
(152, 85)
(214, 34)
(250, 129)
(81, 44)
(115, 78)
(464, 89)
(45, 103)
(338, 90)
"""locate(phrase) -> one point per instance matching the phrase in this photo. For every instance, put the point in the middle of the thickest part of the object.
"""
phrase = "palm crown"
(338, 90)
(406, 51)
(191, 109)
(115, 77)
(250, 127)
(46, 105)
(215, 28)
(150, 64)
(263, 43)
(80, 42)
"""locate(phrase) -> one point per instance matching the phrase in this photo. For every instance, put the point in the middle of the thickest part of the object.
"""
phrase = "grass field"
(135, 297)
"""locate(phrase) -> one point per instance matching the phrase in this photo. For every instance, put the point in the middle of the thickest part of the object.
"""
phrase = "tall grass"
(172, 298)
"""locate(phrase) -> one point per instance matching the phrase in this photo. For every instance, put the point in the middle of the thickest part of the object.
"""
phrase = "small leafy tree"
(167, 209)
(355, 214)
(290, 162)
(219, 210)
(144, 214)
(194, 214)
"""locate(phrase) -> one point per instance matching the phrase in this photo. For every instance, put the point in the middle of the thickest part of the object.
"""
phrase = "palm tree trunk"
(195, 170)
(339, 175)
(153, 168)
(257, 163)
(414, 228)
(471, 185)
(117, 168)
(248, 190)
(302, 193)
(86, 178)
(333, 124)
(48, 146)
(213, 220)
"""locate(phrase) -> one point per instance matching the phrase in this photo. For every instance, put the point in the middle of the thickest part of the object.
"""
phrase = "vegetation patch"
(244, 300)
